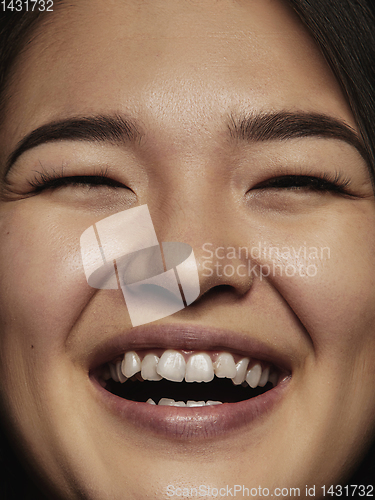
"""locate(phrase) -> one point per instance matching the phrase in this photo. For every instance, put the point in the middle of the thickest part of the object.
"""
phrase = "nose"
(192, 269)
(223, 265)
(221, 256)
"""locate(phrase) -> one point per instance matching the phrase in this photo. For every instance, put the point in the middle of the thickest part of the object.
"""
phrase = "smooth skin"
(183, 71)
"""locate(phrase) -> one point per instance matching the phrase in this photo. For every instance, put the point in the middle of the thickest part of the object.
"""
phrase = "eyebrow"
(115, 129)
(253, 128)
(287, 125)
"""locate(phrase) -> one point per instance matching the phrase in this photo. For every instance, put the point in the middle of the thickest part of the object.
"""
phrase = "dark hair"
(15, 34)
(17, 31)
(345, 32)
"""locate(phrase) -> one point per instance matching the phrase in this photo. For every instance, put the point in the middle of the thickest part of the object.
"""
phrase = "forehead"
(171, 62)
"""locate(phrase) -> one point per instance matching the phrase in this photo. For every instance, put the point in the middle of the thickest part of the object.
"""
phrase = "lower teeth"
(182, 394)
(172, 402)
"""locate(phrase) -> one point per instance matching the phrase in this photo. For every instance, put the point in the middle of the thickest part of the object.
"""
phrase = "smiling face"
(204, 98)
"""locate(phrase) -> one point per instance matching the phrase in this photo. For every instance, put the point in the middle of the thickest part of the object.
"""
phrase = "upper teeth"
(148, 370)
(198, 368)
(131, 364)
(172, 366)
(241, 369)
(225, 366)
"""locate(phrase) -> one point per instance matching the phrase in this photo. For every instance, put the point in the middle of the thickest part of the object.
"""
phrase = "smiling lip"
(194, 422)
(204, 422)
(188, 338)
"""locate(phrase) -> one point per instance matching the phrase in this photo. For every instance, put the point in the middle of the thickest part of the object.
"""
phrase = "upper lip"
(189, 338)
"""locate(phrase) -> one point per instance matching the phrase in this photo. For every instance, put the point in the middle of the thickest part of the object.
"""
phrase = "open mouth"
(187, 378)
(186, 381)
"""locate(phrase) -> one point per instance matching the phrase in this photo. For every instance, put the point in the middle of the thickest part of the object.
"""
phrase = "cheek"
(334, 293)
(41, 273)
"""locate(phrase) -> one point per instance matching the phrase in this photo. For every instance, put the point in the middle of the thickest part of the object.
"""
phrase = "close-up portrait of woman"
(187, 249)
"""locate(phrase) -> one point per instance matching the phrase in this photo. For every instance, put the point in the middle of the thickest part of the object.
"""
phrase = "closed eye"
(337, 184)
(44, 181)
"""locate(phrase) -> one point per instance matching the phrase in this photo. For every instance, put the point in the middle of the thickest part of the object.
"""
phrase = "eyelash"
(321, 183)
(43, 180)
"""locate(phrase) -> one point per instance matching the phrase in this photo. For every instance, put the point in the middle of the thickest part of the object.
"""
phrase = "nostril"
(226, 274)
(220, 289)
(222, 292)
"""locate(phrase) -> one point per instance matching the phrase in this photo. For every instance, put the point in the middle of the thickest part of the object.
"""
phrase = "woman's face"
(212, 92)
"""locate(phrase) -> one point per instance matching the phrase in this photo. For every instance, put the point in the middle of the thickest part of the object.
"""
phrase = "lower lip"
(202, 422)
